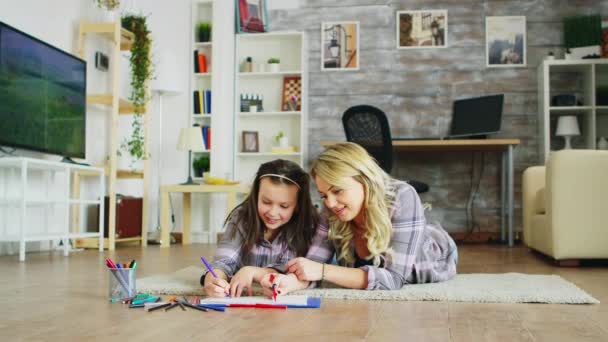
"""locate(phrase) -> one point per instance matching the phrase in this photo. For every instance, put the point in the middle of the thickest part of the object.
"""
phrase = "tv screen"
(42, 95)
(477, 116)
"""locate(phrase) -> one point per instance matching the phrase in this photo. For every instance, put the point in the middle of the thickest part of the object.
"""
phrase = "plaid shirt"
(229, 259)
(419, 252)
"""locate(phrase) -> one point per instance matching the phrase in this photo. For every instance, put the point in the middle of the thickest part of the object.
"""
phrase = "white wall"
(169, 23)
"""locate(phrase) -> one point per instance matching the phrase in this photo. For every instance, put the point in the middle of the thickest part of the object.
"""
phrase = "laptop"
(472, 118)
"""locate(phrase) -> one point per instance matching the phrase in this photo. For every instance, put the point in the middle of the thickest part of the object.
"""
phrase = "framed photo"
(251, 142)
(340, 45)
(506, 41)
(292, 94)
(422, 29)
(251, 16)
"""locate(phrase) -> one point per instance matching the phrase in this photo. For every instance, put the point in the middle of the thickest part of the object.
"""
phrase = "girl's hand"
(243, 279)
(305, 269)
(216, 287)
(285, 283)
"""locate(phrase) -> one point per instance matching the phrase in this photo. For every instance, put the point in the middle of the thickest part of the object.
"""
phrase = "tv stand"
(51, 197)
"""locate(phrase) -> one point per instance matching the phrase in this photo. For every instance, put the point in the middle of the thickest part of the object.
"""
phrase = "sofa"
(565, 205)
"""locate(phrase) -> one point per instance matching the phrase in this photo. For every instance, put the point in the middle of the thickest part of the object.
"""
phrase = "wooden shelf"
(107, 30)
(124, 107)
(120, 40)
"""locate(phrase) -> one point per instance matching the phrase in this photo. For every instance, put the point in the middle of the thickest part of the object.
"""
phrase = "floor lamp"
(165, 84)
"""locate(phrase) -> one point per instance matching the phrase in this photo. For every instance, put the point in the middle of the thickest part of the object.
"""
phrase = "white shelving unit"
(575, 77)
(202, 11)
(17, 198)
(290, 48)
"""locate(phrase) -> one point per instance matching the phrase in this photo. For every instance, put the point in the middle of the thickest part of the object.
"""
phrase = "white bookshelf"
(290, 48)
(202, 11)
(578, 77)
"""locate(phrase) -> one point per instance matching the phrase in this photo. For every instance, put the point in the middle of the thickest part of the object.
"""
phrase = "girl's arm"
(228, 253)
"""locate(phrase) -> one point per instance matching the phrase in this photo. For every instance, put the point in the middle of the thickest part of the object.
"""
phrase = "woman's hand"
(305, 269)
(216, 287)
(243, 279)
(284, 283)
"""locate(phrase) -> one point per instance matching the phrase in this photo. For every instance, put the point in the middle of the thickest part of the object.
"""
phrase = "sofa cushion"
(540, 206)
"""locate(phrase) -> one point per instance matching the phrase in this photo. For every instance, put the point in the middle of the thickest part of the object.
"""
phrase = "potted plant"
(201, 165)
(274, 64)
(141, 70)
(203, 30)
(282, 140)
(107, 9)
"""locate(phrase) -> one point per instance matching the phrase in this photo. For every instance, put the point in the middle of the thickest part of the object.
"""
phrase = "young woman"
(376, 227)
(274, 224)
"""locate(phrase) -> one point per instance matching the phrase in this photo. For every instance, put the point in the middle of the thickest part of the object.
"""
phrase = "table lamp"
(191, 140)
(567, 127)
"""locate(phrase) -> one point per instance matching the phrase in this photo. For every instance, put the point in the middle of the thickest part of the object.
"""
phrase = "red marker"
(274, 288)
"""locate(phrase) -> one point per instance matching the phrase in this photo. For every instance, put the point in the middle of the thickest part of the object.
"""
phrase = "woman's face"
(345, 202)
(276, 203)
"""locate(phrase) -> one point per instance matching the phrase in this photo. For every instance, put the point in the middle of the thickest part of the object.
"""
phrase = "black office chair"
(368, 127)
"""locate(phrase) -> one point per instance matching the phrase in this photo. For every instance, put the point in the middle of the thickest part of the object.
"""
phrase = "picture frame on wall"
(340, 46)
(505, 41)
(423, 29)
(251, 142)
(251, 16)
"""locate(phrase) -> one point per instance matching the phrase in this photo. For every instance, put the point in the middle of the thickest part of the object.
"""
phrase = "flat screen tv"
(477, 117)
(42, 96)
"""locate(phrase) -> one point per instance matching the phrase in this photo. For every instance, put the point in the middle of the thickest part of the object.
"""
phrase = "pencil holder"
(122, 283)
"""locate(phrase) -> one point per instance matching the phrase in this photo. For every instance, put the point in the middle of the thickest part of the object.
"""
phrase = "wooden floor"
(50, 297)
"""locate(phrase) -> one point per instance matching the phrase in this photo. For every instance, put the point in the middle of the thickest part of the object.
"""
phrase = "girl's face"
(346, 202)
(276, 203)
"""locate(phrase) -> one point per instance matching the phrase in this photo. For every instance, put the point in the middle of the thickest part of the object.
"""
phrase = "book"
(196, 66)
(289, 301)
(202, 62)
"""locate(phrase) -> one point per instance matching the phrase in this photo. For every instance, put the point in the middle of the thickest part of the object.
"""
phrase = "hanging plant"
(141, 70)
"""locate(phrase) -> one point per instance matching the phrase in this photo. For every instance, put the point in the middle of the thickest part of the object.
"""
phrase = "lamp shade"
(567, 126)
(191, 139)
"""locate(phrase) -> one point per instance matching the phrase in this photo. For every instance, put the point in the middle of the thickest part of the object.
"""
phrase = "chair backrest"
(368, 127)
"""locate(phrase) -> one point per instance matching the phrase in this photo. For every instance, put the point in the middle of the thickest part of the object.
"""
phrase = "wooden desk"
(498, 145)
(187, 190)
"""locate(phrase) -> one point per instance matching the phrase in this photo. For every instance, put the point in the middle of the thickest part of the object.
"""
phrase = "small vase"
(602, 143)
(274, 67)
(283, 142)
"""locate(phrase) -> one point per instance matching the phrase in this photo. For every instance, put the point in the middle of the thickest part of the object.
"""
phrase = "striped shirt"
(228, 256)
(419, 252)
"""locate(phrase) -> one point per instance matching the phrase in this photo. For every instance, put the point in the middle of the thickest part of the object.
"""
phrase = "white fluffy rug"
(475, 288)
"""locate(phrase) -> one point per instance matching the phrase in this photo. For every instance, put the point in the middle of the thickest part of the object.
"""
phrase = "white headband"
(280, 176)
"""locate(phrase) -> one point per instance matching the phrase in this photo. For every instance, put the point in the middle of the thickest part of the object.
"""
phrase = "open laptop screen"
(477, 116)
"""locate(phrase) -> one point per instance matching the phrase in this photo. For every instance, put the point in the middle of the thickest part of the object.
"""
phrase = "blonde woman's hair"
(351, 160)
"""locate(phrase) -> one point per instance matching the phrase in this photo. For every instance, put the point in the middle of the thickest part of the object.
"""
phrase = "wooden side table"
(187, 191)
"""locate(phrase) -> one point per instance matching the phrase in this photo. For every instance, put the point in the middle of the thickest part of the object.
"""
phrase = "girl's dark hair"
(300, 229)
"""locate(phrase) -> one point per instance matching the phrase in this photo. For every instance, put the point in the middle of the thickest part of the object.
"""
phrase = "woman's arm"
(352, 278)
(305, 269)
(408, 235)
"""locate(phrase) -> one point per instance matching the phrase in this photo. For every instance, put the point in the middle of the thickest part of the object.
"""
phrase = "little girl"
(274, 224)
